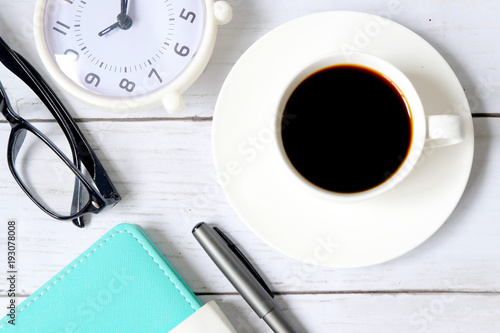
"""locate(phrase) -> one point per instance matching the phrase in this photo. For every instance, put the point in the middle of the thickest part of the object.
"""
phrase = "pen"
(242, 276)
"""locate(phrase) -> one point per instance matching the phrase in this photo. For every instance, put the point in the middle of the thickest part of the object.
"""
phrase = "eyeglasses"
(64, 188)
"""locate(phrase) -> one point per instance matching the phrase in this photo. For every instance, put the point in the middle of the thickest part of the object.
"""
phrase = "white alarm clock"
(125, 55)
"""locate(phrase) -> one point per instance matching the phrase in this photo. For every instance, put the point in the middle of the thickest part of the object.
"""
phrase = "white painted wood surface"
(162, 167)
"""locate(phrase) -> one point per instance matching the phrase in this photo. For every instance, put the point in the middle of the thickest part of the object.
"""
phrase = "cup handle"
(444, 130)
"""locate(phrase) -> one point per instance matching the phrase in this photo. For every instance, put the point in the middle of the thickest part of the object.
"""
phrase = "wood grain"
(162, 166)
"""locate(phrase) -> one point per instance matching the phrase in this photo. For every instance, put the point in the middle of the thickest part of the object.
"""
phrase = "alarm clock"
(127, 55)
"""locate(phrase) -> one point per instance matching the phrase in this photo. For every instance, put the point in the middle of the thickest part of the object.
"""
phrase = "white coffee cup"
(428, 131)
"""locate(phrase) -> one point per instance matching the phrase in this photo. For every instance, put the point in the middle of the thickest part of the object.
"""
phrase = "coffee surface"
(346, 128)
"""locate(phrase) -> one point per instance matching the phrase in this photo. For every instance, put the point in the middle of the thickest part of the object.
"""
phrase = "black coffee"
(346, 129)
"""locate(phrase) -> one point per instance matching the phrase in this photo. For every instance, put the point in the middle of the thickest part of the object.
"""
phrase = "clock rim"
(137, 103)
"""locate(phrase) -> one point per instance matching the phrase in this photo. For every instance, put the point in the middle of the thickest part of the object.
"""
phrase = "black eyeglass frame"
(103, 194)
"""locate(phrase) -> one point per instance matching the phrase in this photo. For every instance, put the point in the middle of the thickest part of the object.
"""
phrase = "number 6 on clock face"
(125, 55)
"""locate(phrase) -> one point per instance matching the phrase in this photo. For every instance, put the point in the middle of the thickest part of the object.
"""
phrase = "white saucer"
(315, 230)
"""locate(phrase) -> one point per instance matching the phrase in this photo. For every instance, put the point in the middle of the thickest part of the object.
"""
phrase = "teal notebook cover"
(122, 283)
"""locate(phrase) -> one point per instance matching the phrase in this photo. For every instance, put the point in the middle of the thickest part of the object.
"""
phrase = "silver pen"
(242, 276)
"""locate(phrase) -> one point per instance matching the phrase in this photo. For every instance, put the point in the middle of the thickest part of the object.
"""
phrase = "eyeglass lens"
(48, 179)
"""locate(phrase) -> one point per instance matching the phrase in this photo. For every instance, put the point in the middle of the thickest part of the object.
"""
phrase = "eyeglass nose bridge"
(16, 140)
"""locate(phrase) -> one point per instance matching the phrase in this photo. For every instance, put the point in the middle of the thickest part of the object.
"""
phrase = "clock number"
(183, 51)
(189, 16)
(61, 26)
(153, 71)
(127, 85)
(92, 78)
(72, 54)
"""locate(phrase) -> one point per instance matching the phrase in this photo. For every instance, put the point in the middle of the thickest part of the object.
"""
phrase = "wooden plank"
(403, 313)
(462, 35)
(164, 172)
(360, 313)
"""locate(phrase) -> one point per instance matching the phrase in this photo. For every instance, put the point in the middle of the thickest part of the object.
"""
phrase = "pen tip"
(197, 226)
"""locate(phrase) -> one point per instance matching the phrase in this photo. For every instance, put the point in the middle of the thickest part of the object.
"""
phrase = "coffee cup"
(352, 127)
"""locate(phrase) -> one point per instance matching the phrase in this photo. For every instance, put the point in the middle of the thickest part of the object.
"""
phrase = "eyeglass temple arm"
(23, 69)
(29, 75)
(85, 152)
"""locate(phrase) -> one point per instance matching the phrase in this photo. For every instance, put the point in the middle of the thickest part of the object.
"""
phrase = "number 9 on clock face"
(126, 54)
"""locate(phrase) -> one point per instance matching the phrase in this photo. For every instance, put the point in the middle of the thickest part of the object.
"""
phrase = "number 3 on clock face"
(125, 55)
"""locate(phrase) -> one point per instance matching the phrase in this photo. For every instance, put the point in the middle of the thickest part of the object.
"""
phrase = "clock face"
(120, 48)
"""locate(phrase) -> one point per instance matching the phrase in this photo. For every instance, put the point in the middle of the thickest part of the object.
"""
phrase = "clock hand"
(123, 21)
(124, 4)
(108, 29)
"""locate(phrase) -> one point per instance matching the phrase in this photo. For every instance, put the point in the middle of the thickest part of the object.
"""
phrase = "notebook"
(122, 283)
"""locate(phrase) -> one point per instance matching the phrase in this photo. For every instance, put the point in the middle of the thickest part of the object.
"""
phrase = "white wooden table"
(162, 167)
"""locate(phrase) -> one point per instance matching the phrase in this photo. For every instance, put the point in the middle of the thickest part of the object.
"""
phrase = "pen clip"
(244, 260)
